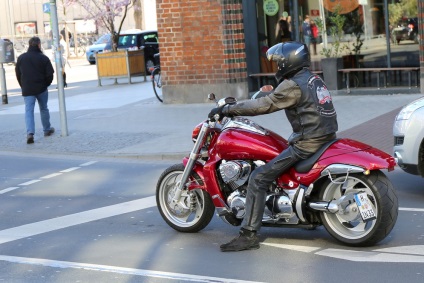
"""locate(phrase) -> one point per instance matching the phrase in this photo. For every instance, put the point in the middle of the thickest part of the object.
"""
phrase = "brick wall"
(201, 44)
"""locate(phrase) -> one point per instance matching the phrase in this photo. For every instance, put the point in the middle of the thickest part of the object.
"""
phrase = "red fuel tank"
(242, 144)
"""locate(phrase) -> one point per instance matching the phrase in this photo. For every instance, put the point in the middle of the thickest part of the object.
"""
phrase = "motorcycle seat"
(306, 165)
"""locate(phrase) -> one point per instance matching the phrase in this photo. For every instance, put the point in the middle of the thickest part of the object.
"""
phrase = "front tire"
(157, 84)
(193, 211)
(356, 232)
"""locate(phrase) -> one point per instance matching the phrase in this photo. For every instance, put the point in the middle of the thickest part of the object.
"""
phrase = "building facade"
(212, 46)
(21, 19)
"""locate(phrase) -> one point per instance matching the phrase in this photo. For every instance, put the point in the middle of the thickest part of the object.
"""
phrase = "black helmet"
(290, 56)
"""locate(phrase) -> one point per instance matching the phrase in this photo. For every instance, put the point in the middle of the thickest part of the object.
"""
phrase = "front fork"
(194, 155)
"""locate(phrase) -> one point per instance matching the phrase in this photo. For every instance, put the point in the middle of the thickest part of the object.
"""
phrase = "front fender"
(210, 182)
(198, 169)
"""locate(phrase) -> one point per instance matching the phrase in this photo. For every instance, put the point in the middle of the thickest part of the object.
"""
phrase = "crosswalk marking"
(121, 270)
(8, 190)
(29, 183)
(44, 226)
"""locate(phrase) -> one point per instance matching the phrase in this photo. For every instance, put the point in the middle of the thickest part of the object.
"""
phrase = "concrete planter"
(121, 64)
(332, 77)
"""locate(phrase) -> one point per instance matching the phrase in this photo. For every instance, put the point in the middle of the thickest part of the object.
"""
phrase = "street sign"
(46, 8)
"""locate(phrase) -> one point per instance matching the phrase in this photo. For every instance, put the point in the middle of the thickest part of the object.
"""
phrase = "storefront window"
(364, 32)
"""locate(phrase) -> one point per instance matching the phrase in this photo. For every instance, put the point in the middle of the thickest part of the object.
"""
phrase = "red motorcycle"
(341, 186)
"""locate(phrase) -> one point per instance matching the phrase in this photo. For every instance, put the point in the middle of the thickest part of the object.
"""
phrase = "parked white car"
(408, 132)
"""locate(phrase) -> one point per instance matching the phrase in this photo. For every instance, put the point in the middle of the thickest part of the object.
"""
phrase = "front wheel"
(193, 211)
(157, 84)
(347, 226)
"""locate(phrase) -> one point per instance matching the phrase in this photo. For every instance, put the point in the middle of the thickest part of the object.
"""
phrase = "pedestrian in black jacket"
(34, 72)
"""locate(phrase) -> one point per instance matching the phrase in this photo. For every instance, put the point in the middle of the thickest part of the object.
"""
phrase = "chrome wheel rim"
(189, 208)
(349, 226)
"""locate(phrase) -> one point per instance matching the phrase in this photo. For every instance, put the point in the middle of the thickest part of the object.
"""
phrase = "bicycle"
(156, 78)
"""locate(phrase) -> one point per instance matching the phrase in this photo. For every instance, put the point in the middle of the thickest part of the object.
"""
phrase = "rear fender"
(345, 156)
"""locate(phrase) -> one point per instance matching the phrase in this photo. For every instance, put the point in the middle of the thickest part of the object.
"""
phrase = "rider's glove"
(216, 111)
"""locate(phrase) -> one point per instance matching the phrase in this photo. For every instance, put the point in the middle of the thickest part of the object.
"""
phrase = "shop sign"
(271, 7)
(315, 13)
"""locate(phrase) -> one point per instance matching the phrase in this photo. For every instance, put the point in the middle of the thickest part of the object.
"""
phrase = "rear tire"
(195, 208)
(383, 196)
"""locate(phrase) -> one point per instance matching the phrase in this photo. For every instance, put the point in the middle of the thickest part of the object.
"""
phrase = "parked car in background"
(102, 44)
(141, 39)
(408, 132)
(129, 39)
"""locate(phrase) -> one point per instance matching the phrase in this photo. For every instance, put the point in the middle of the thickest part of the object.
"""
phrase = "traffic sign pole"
(58, 61)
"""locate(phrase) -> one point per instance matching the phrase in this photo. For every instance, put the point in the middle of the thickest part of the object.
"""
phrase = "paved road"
(85, 219)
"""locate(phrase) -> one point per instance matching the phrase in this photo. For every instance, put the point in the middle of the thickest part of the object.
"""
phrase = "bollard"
(3, 85)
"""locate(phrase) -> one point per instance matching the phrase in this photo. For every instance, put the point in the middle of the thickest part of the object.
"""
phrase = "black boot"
(64, 80)
(246, 240)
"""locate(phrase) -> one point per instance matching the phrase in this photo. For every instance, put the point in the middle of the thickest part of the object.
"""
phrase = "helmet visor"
(275, 53)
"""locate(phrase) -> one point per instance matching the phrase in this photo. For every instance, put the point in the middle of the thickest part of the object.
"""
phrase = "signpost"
(58, 61)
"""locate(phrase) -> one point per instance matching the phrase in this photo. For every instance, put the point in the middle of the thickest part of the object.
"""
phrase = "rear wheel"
(157, 84)
(193, 211)
(347, 226)
(150, 63)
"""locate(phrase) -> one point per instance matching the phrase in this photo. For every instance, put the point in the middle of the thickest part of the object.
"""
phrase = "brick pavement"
(377, 132)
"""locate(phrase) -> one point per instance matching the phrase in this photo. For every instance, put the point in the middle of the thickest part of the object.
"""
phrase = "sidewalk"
(126, 120)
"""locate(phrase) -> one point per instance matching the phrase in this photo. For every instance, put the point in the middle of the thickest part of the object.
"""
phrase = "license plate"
(365, 207)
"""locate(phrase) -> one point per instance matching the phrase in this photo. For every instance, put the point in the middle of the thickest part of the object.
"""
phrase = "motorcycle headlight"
(407, 111)
(196, 132)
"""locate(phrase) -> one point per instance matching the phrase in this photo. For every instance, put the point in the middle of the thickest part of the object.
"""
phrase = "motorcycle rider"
(310, 111)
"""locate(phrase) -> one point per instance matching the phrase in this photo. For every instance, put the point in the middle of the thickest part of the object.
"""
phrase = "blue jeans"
(307, 41)
(42, 99)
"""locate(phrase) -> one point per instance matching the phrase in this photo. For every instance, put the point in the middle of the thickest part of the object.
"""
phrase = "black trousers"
(260, 181)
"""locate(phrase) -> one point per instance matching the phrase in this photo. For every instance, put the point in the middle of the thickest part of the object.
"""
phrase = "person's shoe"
(49, 132)
(246, 240)
(30, 138)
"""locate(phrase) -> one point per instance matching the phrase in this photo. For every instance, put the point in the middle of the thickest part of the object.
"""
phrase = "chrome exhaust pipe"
(324, 206)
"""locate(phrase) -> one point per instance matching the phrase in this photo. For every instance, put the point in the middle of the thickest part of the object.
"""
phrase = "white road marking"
(416, 249)
(121, 270)
(88, 163)
(47, 177)
(49, 225)
(51, 176)
(304, 249)
(29, 182)
(70, 169)
(8, 190)
(411, 254)
(411, 209)
(373, 256)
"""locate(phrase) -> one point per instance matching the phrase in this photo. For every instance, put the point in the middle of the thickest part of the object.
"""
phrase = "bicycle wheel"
(80, 51)
(353, 81)
(157, 84)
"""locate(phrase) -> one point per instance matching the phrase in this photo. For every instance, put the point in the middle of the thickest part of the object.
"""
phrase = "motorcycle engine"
(235, 173)
(279, 206)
